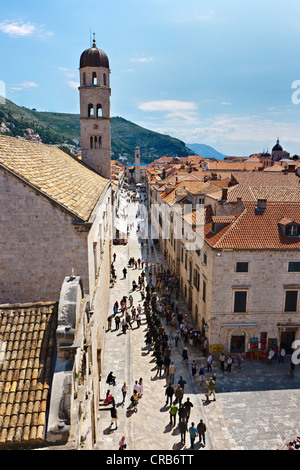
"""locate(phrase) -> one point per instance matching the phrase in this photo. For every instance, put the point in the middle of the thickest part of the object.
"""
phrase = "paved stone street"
(257, 406)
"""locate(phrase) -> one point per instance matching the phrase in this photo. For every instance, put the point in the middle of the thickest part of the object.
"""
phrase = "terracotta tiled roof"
(54, 173)
(257, 229)
(27, 333)
(251, 193)
(262, 178)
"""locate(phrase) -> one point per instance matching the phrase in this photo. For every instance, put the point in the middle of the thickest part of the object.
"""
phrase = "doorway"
(237, 343)
(286, 340)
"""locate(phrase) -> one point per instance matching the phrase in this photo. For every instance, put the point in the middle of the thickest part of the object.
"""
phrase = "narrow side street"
(256, 407)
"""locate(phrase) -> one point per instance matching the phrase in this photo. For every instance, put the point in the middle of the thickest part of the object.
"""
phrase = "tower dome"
(94, 57)
(277, 147)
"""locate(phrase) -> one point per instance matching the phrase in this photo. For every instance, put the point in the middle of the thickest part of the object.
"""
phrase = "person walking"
(188, 405)
(169, 394)
(182, 426)
(124, 392)
(181, 383)
(182, 412)
(209, 363)
(184, 355)
(114, 416)
(179, 394)
(173, 413)
(124, 272)
(229, 363)
(211, 389)
(193, 434)
(172, 370)
(117, 322)
(222, 361)
(122, 443)
(240, 360)
(201, 427)
(159, 364)
(193, 368)
(281, 356)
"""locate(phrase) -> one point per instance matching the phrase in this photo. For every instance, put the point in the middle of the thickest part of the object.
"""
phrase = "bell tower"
(137, 165)
(94, 91)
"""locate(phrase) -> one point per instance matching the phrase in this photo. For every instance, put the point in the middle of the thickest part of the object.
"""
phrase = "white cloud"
(17, 29)
(209, 15)
(73, 84)
(167, 105)
(23, 86)
(142, 59)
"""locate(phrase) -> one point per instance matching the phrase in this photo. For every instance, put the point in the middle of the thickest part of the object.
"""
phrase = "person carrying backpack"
(211, 389)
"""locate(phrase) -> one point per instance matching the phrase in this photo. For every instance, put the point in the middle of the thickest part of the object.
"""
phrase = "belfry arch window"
(90, 110)
(104, 79)
(99, 110)
(94, 78)
(84, 79)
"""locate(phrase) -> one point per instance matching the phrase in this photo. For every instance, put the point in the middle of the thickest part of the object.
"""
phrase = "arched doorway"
(237, 341)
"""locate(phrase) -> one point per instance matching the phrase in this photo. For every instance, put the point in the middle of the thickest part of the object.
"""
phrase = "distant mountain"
(64, 129)
(206, 151)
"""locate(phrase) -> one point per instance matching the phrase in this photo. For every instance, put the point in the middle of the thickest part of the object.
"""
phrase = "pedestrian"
(194, 368)
(169, 394)
(173, 413)
(229, 363)
(172, 370)
(211, 389)
(181, 382)
(109, 322)
(117, 322)
(179, 394)
(114, 256)
(188, 405)
(124, 326)
(124, 392)
(124, 272)
(240, 360)
(114, 416)
(201, 431)
(159, 363)
(122, 443)
(167, 361)
(182, 412)
(222, 361)
(292, 369)
(193, 434)
(182, 426)
(137, 388)
(281, 356)
(184, 355)
(141, 384)
(201, 375)
(138, 320)
(128, 320)
(209, 363)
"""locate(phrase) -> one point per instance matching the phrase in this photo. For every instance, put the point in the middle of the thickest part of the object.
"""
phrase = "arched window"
(90, 110)
(94, 78)
(96, 142)
(100, 142)
(104, 79)
(84, 79)
(91, 142)
(99, 111)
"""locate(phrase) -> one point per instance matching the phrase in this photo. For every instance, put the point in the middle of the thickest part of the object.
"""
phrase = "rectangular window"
(204, 291)
(294, 267)
(241, 267)
(205, 259)
(185, 261)
(240, 301)
(291, 297)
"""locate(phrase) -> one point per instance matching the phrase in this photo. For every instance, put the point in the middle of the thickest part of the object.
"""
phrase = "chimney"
(224, 194)
(261, 204)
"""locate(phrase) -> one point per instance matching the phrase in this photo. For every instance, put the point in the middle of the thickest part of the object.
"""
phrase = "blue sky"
(213, 72)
